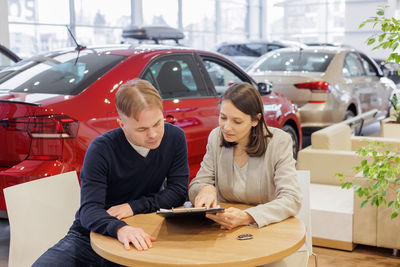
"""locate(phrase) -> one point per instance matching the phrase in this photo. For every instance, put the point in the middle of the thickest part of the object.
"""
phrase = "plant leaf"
(364, 203)
(371, 41)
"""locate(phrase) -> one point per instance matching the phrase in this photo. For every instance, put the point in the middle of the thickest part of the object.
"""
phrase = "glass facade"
(307, 21)
(40, 25)
(165, 13)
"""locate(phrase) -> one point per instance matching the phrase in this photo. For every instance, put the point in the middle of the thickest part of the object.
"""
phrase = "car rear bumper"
(319, 115)
(27, 170)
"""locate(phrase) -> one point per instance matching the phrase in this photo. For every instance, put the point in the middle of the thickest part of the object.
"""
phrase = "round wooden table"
(186, 241)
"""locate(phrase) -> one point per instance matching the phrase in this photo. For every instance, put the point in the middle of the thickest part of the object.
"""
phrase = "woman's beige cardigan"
(273, 186)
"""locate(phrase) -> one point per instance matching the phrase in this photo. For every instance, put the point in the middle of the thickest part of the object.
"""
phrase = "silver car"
(329, 84)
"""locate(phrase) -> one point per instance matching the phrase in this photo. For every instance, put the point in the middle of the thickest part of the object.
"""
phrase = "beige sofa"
(332, 150)
(388, 128)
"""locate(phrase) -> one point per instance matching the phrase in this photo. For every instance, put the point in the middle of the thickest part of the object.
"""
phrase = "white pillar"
(137, 12)
(253, 19)
(263, 19)
(4, 32)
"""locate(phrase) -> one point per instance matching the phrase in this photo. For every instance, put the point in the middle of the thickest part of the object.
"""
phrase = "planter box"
(389, 128)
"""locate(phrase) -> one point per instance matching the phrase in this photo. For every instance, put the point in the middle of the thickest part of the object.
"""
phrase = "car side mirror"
(264, 88)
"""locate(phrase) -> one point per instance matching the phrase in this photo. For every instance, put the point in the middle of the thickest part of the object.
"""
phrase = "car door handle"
(170, 119)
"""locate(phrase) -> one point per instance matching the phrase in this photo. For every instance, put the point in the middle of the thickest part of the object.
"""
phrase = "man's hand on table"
(120, 211)
(139, 238)
(231, 218)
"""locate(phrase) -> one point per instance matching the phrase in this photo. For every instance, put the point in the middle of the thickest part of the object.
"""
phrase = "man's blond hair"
(134, 96)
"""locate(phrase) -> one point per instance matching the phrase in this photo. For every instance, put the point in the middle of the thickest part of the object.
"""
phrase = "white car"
(245, 53)
(329, 84)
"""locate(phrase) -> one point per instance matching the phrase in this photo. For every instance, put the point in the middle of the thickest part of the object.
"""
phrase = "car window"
(220, 76)
(253, 50)
(175, 76)
(274, 47)
(5, 61)
(352, 65)
(66, 74)
(370, 70)
(228, 50)
(293, 61)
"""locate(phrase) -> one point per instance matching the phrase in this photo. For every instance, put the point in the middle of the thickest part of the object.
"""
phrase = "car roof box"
(155, 33)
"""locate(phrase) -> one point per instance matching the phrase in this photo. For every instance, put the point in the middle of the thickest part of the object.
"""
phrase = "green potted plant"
(380, 163)
(381, 166)
(387, 38)
(394, 101)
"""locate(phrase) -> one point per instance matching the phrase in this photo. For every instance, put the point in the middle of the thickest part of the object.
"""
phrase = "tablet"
(188, 211)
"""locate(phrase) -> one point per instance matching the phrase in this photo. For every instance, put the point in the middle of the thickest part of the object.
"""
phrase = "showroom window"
(306, 21)
(233, 16)
(37, 25)
(166, 12)
(198, 21)
(101, 22)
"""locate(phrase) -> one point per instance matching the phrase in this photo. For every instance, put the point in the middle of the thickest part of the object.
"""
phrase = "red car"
(53, 105)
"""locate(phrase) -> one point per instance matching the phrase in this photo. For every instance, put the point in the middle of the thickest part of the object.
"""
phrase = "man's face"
(147, 131)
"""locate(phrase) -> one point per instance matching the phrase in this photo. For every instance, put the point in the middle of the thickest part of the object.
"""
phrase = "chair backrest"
(305, 214)
(40, 213)
(170, 78)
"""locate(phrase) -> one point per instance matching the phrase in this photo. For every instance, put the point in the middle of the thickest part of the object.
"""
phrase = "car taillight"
(315, 87)
(15, 124)
(48, 126)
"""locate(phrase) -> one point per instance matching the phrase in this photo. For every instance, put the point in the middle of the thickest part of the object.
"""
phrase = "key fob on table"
(245, 236)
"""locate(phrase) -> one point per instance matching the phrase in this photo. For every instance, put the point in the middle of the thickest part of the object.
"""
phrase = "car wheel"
(293, 134)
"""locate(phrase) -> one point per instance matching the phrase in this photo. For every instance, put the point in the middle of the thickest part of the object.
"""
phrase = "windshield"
(293, 61)
(250, 50)
(66, 74)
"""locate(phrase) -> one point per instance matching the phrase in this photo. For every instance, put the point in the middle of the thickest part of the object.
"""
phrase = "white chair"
(40, 213)
(305, 212)
(301, 256)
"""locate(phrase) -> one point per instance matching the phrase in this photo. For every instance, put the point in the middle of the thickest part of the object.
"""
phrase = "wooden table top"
(186, 241)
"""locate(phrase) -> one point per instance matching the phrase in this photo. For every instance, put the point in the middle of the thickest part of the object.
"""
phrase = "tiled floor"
(371, 130)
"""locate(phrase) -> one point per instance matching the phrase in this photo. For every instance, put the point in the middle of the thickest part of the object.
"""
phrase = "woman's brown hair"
(248, 100)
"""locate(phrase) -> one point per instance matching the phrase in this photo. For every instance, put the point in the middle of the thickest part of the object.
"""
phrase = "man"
(121, 176)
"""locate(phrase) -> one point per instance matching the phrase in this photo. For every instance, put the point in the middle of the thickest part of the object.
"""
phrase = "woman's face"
(235, 124)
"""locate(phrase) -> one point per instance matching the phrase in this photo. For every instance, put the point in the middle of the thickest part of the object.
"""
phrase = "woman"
(247, 162)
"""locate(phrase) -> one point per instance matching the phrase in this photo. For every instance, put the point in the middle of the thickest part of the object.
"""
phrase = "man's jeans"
(73, 250)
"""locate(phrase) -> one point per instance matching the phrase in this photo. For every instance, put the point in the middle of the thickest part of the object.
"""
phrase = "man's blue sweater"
(114, 173)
